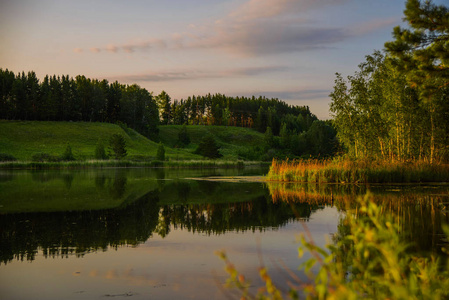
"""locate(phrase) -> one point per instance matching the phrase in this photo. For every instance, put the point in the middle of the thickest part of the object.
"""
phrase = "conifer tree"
(117, 144)
(160, 155)
(423, 48)
(208, 147)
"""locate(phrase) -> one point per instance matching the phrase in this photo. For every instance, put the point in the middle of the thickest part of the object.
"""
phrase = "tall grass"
(347, 171)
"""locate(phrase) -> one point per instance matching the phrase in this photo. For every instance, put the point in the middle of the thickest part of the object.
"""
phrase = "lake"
(152, 233)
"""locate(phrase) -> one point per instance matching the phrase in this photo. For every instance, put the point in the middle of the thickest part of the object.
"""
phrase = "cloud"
(95, 50)
(289, 94)
(176, 75)
(259, 27)
(374, 25)
(263, 9)
(78, 50)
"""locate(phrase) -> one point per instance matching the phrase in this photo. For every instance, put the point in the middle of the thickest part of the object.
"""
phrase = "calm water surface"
(152, 233)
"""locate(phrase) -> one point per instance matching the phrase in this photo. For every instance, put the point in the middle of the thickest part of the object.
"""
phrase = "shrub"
(44, 157)
(208, 147)
(100, 153)
(7, 157)
(117, 144)
(183, 137)
(160, 152)
(67, 155)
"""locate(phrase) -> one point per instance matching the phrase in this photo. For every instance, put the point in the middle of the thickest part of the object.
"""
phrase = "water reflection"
(213, 208)
(62, 213)
(420, 211)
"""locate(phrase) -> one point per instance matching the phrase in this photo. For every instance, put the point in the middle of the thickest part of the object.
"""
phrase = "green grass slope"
(22, 139)
(232, 140)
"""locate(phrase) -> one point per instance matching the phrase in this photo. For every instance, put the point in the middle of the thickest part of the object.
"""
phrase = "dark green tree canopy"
(183, 137)
(208, 147)
(117, 144)
(423, 47)
(160, 155)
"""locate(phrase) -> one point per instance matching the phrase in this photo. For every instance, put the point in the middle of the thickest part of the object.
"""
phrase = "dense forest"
(291, 131)
(396, 106)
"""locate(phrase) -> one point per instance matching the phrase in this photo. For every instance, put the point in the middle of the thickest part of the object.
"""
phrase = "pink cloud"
(258, 27)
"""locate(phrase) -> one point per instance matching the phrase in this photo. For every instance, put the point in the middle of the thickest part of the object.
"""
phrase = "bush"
(183, 137)
(160, 152)
(208, 147)
(44, 157)
(117, 144)
(100, 153)
(68, 155)
(7, 157)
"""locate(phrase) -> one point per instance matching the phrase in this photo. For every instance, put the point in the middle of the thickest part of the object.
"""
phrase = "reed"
(364, 171)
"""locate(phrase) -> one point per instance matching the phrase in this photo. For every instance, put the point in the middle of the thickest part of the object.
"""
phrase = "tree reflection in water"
(212, 208)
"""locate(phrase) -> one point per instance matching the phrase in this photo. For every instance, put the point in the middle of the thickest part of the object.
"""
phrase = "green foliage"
(68, 155)
(7, 157)
(163, 102)
(378, 115)
(183, 137)
(117, 145)
(269, 139)
(208, 147)
(45, 157)
(372, 260)
(368, 260)
(160, 152)
(423, 48)
(421, 53)
(100, 152)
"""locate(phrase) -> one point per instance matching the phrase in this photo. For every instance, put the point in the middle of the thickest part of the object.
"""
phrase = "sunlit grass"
(348, 171)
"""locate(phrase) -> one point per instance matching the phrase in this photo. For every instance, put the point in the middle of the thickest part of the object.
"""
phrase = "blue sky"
(289, 49)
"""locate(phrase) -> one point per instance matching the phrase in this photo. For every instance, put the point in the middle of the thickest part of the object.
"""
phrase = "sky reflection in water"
(148, 233)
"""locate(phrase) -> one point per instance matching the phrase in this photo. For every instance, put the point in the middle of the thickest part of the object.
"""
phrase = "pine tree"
(160, 155)
(423, 54)
(100, 153)
(423, 48)
(117, 144)
(183, 137)
(208, 147)
(68, 155)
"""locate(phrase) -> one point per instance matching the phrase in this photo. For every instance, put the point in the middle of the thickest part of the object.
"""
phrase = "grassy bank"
(234, 142)
(23, 139)
(345, 171)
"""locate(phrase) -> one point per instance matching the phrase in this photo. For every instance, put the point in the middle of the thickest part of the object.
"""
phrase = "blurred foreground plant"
(369, 261)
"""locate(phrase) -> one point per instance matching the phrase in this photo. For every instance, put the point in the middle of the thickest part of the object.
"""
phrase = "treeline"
(290, 131)
(396, 106)
(379, 115)
(23, 97)
(258, 113)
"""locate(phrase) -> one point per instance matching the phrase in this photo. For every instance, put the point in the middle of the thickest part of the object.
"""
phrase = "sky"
(286, 49)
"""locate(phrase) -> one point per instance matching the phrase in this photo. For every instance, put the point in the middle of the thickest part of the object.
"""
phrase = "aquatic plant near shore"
(369, 260)
(347, 171)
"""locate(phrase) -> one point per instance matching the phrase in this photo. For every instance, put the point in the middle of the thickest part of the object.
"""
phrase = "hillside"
(232, 140)
(22, 139)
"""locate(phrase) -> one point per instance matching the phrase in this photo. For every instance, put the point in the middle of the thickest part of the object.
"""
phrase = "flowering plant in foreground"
(369, 261)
